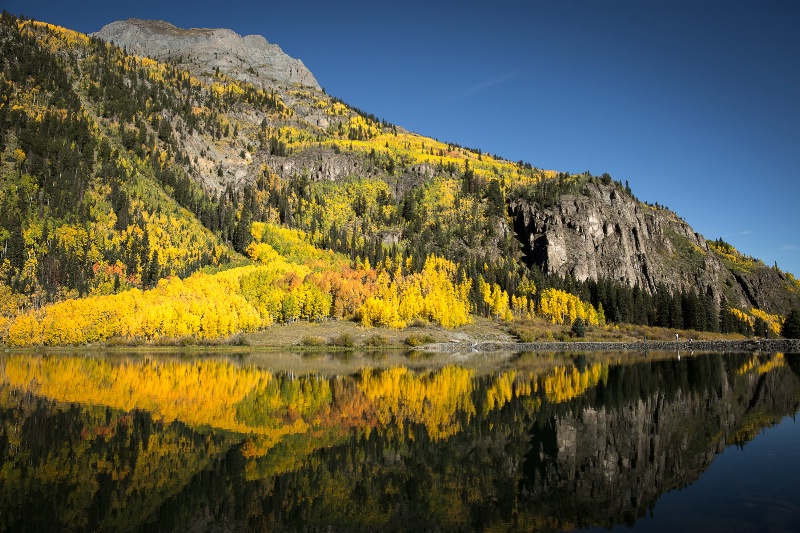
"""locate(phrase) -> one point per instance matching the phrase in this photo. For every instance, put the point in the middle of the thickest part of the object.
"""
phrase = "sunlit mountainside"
(179, 197)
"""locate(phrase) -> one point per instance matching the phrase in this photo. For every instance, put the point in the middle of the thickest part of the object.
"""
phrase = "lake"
(395, 442)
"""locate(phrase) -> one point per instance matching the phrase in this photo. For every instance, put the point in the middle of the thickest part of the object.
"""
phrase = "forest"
(121, 217)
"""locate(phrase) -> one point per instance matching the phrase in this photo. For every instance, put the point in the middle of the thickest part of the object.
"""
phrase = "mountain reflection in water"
(171, 444)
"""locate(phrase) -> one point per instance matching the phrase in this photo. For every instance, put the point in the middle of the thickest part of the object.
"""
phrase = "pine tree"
(791, 327)
(761, 328)
(579, 327)
(241, 236)
(153, 272)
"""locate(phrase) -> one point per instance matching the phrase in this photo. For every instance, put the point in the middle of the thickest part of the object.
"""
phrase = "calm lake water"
(355, 442)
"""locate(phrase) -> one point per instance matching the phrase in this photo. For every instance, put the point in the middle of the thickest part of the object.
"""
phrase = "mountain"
(122, 172)
(251, 59)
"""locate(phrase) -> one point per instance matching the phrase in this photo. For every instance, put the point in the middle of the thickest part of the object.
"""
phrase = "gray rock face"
(603, 233)
(323, 164)
(606, 234)
(249, 58)
(317, 164)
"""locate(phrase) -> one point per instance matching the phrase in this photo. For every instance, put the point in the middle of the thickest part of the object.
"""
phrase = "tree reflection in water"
(92, 443)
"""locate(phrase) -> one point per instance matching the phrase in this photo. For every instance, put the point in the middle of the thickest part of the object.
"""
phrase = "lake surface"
(395, 442)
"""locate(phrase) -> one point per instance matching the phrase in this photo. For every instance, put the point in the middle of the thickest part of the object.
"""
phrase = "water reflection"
(166, 443)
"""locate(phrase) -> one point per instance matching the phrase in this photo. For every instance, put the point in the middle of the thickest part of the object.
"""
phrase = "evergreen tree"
(675, 312)
(711, 313)
(791, 327)
(153, 272)
(761, 328)
(241, 236)
(579, 327)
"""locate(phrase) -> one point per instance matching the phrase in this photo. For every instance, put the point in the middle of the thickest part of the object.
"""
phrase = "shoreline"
(745, 345)
(452, 346)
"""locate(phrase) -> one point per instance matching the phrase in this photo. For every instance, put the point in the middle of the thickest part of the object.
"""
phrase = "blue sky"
(696, 104)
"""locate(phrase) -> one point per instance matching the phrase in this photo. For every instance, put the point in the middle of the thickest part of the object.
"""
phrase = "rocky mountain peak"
(250, 58)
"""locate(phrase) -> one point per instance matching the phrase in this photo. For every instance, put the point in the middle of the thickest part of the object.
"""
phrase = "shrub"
(312, 340)
(237, 340)
(345, 340)
(377, 340)
(524, 334)
(418, 339)
(186, 340)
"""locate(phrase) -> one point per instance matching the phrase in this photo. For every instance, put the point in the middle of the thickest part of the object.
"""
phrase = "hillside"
(121, 170)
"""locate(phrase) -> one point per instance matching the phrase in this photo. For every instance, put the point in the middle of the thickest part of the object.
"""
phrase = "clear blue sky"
(695, 103)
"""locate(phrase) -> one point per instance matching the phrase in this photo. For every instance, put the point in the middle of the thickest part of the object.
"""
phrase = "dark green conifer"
(579, 327)
(791, 327)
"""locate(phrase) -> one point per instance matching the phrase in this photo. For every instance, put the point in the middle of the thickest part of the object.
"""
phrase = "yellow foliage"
(561, 307)
(501, 392)
(204, 392)
(263, 253)
(433, 294)
(400, 396)
(292, 244)
(733, 257)
(178, 238)
(266, 408)
(777, 361)
(306, 283)
(496, 299)
(774, 322)
(54, 38)
(566, 383)
(755, 363)
(73, 239)
(741, 315)
(203, 306)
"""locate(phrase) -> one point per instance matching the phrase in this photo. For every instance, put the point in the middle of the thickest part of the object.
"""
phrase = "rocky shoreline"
(746, 345)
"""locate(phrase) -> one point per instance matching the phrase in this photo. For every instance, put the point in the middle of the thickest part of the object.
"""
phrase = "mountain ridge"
(196, 158)
(266, 64)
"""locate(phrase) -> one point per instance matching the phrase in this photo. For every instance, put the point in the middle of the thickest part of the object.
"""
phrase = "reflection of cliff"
(605, 459)
(438, 450)
(601, 458)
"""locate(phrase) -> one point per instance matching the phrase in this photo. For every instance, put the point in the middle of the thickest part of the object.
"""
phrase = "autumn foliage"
(292, 280)
(560, 307)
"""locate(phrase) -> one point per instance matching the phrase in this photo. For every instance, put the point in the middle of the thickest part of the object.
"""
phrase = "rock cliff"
(600, 231)
(250, 58)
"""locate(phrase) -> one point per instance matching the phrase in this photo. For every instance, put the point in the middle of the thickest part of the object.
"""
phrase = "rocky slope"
(599, 231)
(250, 58)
